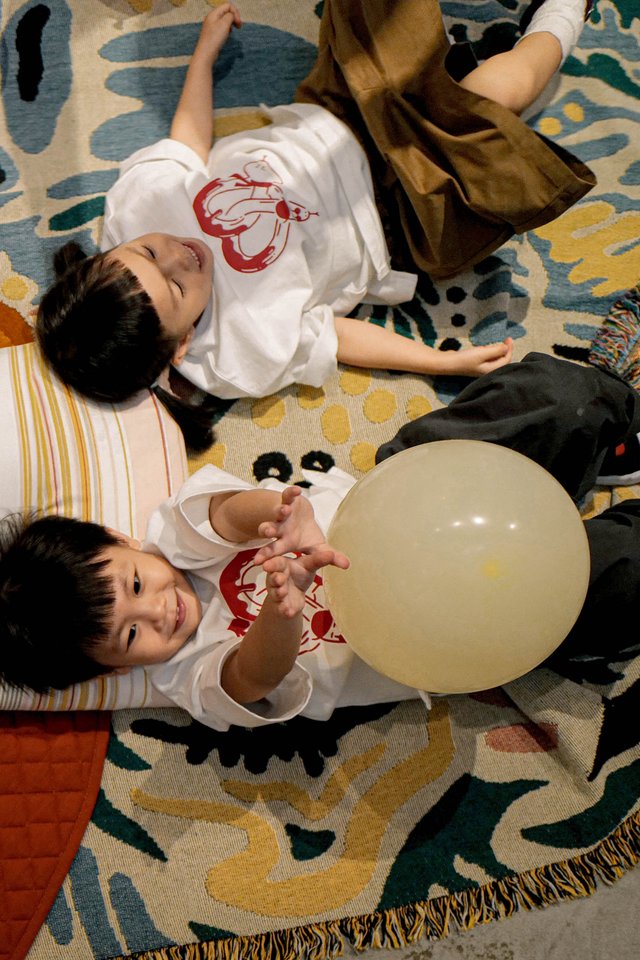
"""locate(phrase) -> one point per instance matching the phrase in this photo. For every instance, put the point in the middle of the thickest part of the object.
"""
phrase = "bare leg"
(516, 78)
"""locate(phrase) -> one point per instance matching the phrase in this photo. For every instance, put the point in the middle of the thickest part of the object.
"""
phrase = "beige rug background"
(362, 830)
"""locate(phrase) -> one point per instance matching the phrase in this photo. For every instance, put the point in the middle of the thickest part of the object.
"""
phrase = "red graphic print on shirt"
(250, 215)
(243, 588)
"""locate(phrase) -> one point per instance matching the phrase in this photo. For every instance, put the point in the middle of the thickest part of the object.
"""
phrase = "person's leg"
(605, 625)
(430, 142)
(517, 77)
(562, 415)
(562, 18)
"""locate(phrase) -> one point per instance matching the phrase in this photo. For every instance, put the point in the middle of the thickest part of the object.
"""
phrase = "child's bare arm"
(193, 120)
(289, 578)
(285, 517)
(367, 345)
(294, 528)
(237, 516)
(265, 656)
(269, 648)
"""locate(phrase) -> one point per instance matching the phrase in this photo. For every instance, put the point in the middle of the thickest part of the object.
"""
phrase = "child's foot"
(562, 18)
(621, 466)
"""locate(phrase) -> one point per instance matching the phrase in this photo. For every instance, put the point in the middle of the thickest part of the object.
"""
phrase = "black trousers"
(565, 417)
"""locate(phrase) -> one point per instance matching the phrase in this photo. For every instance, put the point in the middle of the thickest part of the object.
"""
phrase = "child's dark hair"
(56, 602)
(99, 330)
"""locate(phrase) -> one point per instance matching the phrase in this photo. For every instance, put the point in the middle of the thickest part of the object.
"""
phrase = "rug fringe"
(616, 345)
(430, 919)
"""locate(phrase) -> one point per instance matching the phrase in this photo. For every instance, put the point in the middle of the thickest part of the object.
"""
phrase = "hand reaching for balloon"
(289, 578)
(294, 530)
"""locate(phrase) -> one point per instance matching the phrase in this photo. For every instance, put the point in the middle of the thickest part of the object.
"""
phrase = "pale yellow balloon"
(469, 566)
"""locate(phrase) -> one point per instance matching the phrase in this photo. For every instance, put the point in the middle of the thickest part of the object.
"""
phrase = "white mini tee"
(288, 213)
(231, 588)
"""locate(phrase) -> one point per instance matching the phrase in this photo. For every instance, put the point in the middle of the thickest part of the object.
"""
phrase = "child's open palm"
(293, 529)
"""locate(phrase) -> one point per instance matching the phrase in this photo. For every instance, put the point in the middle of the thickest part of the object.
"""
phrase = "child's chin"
(183, 642)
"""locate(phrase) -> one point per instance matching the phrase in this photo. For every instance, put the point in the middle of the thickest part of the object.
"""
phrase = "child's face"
(156, 609)
(176, 273)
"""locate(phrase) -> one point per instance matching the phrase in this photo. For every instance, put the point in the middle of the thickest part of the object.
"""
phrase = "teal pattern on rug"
(381, 820)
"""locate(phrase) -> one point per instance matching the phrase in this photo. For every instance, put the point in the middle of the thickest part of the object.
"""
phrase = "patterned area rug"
(384, 824)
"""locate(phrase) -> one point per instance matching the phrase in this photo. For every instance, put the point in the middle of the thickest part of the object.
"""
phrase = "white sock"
(563, 18)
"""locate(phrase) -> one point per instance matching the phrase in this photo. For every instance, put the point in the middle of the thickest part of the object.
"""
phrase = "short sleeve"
(166, 149)
(286, 701)
(180, 529)
(194, 683)
(302, 347)
(137, 202)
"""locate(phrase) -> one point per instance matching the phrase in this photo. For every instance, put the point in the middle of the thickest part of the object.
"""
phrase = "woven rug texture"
(385, 824)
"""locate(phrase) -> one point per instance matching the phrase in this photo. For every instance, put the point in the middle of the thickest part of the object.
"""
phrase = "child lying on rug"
(283, 235)
(234, 631)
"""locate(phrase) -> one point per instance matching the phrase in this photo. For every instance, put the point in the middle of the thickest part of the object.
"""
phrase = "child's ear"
(181, 350)
(127, 541)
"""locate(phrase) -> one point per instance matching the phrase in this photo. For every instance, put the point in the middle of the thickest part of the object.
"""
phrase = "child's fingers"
(218, 13)
(274, 549)
(277, 586)
(275, 565)
(504, 349)
(497, 357)
(265, 529)
(271, 528)
(289, 494)
(232, 9)
(263, 554)
(319, 557)
(228, 12)
(493, 351)
(268, 530)
(333, 558)
(478, 360)
(341, 560)
(326, 553)
(224, 8)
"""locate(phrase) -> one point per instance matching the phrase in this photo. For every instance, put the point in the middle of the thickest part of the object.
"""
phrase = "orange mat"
(50, 771)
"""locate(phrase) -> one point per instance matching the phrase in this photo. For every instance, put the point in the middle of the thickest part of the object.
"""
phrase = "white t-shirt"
(288, 213)
(326, 675)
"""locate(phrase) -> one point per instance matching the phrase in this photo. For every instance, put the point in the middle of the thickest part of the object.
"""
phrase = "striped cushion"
(64, 454)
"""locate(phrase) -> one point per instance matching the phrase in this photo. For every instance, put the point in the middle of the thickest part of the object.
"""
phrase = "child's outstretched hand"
(475, 361)
(216, 28)
(289, 578)
(293, 529)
